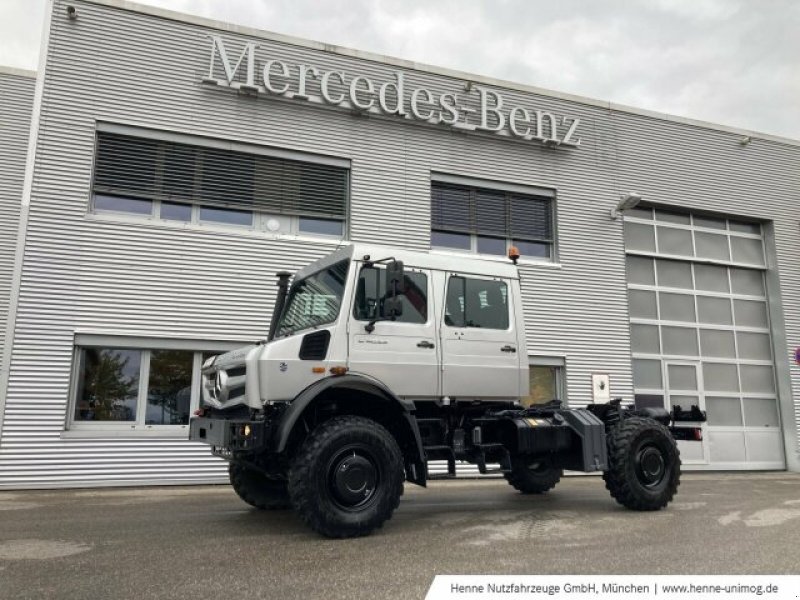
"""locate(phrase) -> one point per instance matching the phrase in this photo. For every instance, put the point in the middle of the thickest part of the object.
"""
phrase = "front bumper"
(226, 436)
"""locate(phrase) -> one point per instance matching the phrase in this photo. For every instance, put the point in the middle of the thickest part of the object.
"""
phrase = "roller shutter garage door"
(700, 332)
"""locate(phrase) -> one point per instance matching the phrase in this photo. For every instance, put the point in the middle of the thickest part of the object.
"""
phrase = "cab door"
(403, 353)
(480, 355)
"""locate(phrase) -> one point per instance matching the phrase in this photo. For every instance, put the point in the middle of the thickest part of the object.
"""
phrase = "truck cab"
(457, 331)
(381, 359)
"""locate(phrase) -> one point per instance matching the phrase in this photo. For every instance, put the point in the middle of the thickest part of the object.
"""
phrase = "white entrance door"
(684, 388)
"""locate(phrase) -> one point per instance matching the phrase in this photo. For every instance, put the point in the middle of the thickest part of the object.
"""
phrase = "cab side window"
(476, 303)
(369, 296)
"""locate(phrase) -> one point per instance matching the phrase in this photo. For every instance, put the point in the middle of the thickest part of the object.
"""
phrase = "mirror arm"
(370, 327)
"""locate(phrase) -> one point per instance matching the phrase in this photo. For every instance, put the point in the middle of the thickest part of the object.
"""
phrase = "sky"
(732, 62)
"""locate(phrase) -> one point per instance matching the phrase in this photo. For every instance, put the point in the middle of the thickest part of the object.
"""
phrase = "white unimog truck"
(379, 360)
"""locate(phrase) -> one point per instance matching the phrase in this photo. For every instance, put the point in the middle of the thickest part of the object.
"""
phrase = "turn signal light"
(698, 434)
(317, 369)
(200, 412)
(338, 370)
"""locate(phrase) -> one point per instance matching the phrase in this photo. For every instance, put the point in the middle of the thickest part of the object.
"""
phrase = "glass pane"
(321, 226)
(643, 304)
(443, 239)
(676, 307)
(672, 273)
(747, 250)
(674, 241)
(134, 206)
(476, 303)
(684, 401)
(648, 401)
(641, 270)
(672, 217)
(755, 346)
(227, 216)
(174, 211)
(647, 374)
(711, 245)
(761, 412)
(724, 412)
(543, 385)
(757, 378)
(747, 281)
(639, 236)
(746, 227)
(489, 245)
(679, 340)
(709, 222)
(640, 213)
(717, 343)
(370, 290)
(709, 278)
(532, 249)
(169, 389)
(714, 310)
(314, 300)
(751, 313)
(719, 377)
(682, 377)
(108, 384)
(644, 339)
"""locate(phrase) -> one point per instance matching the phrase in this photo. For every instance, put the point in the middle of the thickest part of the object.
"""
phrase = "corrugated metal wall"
(84, 273)
(16, 103)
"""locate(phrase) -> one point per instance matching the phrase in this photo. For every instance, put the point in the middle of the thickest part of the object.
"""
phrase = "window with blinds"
(487, 221)
(150, 176)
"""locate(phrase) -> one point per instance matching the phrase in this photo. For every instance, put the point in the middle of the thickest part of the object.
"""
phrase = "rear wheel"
(257, 489)
(644, 465)
(347, 477)
(532, 475)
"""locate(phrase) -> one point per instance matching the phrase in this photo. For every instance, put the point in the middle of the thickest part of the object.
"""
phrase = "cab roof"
(416, 259)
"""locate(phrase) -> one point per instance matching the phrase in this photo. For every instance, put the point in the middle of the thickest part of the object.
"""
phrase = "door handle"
(508, 349)
(425, 344)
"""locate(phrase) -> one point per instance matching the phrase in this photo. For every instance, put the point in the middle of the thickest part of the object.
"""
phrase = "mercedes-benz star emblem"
(220, 389)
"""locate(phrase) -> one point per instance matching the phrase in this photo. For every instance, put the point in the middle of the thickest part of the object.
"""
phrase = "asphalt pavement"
(203, 542)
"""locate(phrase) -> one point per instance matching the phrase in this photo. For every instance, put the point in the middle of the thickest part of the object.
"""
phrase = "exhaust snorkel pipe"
(280, 302)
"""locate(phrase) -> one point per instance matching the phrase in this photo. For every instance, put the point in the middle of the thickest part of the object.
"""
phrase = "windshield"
(314, 300)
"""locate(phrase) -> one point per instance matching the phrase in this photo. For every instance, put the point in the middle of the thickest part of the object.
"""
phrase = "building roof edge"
(432, 69)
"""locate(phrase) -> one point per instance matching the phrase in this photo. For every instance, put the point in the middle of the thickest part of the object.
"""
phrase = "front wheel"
(347, 477)
(644, 465)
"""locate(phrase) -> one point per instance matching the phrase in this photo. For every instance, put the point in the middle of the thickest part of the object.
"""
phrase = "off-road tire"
(533, 475)
(644, 465)
(258, 490)
(346, 479)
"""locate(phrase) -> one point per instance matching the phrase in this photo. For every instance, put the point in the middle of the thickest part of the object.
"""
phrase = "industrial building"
(159, 169)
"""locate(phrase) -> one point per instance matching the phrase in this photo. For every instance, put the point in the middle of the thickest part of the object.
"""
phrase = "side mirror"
(395, 279)
(393, 307)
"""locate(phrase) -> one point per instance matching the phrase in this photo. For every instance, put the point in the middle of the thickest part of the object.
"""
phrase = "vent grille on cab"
(315, 345)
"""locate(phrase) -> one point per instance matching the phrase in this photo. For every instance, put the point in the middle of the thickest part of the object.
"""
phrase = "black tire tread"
(617, 479)
(316, 514)
(257, 490)
(527, 482)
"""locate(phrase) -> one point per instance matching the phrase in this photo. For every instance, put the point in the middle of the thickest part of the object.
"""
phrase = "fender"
(361, 383)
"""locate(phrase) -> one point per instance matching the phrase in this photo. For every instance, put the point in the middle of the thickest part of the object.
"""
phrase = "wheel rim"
(651, 466)
(353, 478)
